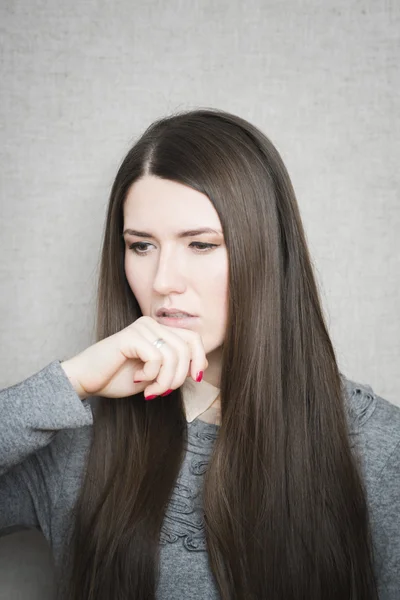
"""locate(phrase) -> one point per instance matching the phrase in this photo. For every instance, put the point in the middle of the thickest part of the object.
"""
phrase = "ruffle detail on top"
(184, 517)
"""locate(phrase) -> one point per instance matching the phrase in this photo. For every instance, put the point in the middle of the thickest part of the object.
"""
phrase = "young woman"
(207, 445)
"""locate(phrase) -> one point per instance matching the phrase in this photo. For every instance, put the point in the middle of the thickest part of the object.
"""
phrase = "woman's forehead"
(171, 205)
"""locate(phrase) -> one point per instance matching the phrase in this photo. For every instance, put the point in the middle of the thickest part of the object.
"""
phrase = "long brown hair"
(285, 508)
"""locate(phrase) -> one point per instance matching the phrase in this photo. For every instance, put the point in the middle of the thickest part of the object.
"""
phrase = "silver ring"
(160, 342)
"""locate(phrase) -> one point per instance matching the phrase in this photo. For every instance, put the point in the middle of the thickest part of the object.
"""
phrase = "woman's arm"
(34, 410)
(386, 521)
(42, 409)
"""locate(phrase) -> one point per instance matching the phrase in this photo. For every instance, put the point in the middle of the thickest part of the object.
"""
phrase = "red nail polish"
(166, 393)
(150, 397)
(199, 376)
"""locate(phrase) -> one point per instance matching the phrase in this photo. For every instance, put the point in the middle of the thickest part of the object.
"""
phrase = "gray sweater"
(45, 435)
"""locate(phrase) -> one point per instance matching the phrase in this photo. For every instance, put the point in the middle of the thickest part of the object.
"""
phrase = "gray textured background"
(79, 82)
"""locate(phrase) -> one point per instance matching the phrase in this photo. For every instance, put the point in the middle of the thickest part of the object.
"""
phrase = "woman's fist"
(111, 367)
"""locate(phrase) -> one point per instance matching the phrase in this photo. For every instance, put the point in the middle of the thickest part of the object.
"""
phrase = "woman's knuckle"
(188, 353)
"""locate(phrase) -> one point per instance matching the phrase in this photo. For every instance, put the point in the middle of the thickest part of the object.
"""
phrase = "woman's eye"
(202, 247)
(135, 247)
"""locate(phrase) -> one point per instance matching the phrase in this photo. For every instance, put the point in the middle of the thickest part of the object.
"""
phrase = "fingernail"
(166, 393)
(150, 397)
(199, 376)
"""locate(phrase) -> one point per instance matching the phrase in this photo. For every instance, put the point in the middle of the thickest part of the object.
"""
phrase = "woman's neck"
(203, 398)
(213, 413)
(213, 372)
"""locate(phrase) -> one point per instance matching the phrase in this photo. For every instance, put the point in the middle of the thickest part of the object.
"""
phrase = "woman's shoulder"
(374, 425)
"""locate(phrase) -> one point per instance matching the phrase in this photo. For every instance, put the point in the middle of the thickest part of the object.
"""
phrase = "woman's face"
(166, 270)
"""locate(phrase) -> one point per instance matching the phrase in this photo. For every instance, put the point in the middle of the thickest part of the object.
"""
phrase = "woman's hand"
(111, 367)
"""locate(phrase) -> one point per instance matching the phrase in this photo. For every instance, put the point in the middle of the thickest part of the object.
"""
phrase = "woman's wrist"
(68, 368)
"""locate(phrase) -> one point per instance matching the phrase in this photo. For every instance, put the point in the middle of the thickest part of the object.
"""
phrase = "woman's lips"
(183, 322)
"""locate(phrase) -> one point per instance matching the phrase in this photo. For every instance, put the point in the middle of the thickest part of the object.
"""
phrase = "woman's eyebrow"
(179, 234)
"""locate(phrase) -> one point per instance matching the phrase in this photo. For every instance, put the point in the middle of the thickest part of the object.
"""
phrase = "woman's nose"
(169, 277)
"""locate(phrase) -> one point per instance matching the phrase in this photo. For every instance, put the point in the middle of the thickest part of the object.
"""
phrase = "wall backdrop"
(81, 80)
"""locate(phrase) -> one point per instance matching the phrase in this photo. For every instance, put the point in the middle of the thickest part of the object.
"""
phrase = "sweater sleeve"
(34, 410)
(386, 520)
(38, 420)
